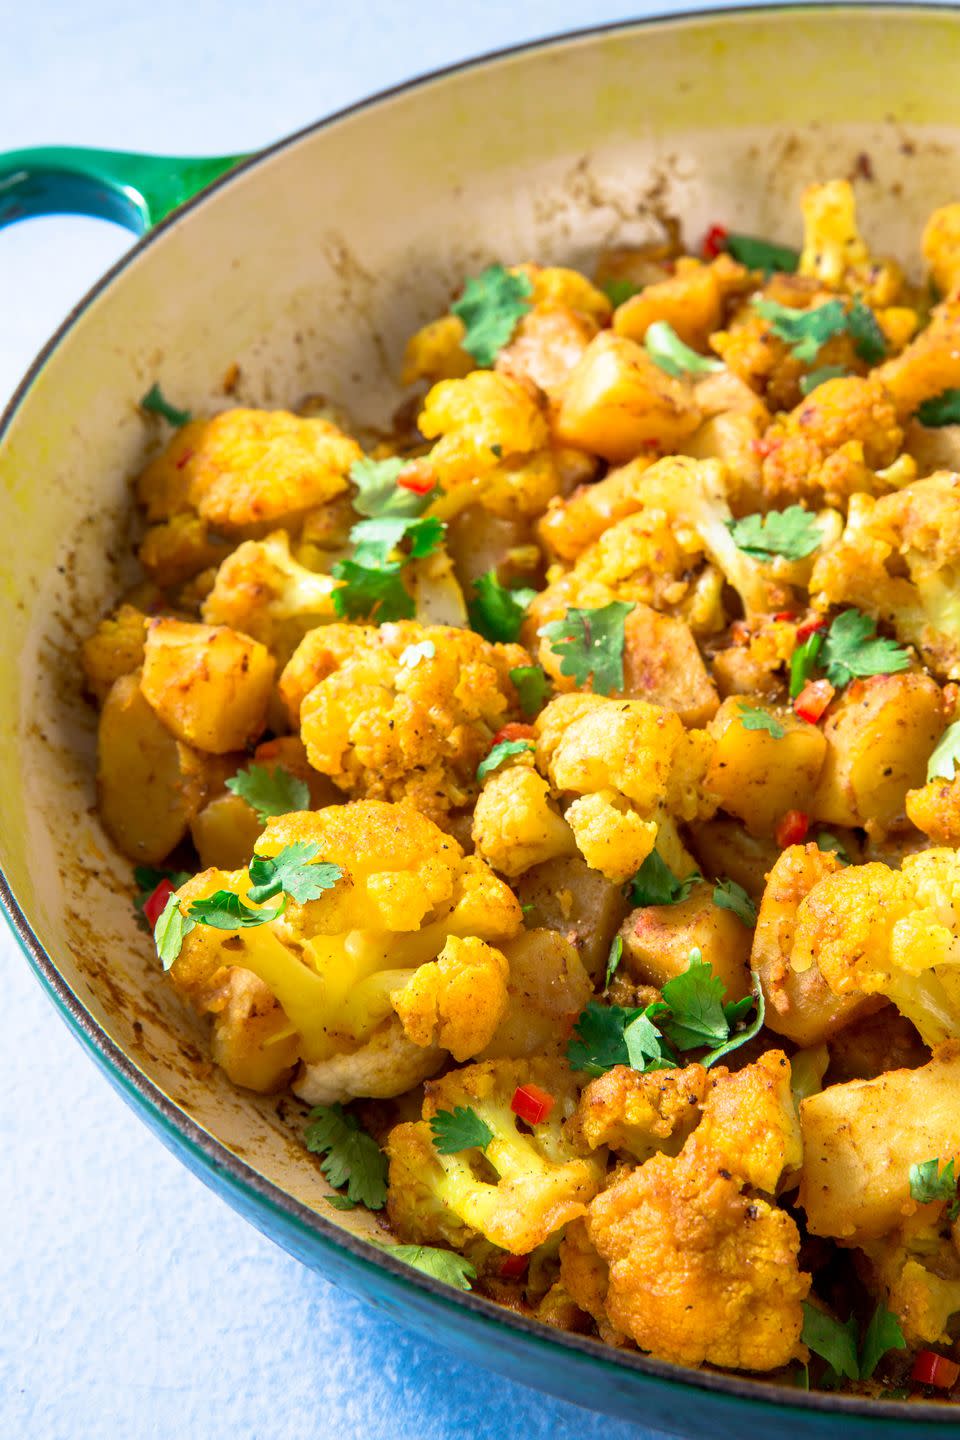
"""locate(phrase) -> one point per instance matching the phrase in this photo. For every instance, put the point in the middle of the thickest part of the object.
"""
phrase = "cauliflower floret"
(547, 985)
(251, 1039)
(247, 470)
(516, 824)
(834, 252)
(915, 1271)
(115, 648)
(935, 809)
(876, 931)
(403, 710)
(209, 685)
(539, 1181)
(180, 549)
(631, 764)
(929, 364)
(899, 561)
(388, 1064)
(261, 590)
(941, 247)
(642, 1114)
(699, 1270)
(435, 352)
(340, 966)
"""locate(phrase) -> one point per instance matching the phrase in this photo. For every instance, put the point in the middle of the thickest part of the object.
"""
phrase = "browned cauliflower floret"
(209, 685)
(941, 247)
(899, 561)
(915, 1272)
(405, 710)
(380, 971)
(935, 809)
(701, 1272)
(631, 768)
(180, 548)
(834, 252)
(929, 364)
(263, 591)
(642, 1114)
(539, 1181)
(516, 824)
(115, 648)
(587, 1278)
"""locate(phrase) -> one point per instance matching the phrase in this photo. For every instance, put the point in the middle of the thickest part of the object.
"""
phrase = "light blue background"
(134, 1303)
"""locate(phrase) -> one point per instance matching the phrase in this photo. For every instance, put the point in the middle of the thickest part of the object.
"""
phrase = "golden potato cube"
(657, 940)
(879, 736)
(583, 905)
(690, 301)
(149, 786)
(225, 832)
(662, 664)
(756, 776)
(723, 847)
(209, 685)
(617, 402)
(860, 1139)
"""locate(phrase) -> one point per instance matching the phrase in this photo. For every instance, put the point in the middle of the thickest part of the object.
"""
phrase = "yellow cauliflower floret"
(179, 549)
(409, 711)
(701, 1272)
(899, 561)
(929, 364)
(609, 833)
(516, 824)
(834, 252)
(209, 685)
(642, 1114)
(261, 590)
(435, 352)
(935, 809)
(586, 1279)
(347, 968)
(245, 470)
(115, 648)
(941, 247)
(915, 1272)
(876, 931)
(539, 1182)
(479, 423)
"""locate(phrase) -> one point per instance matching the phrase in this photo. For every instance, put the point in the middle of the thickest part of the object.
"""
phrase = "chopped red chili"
(156, 902)
(516, 730)
(715, 242)
(813, 700)
(929, 1368)
(418, 478)
(792, 829)
(808, 627)
(532, 1104)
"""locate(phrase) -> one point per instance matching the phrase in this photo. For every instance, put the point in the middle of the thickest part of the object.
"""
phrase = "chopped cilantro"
(731, 896)
(491, 306)
(378, 492)
(882, 1334)
(762, 254)
(695, 999)
(824, 840)
(820, 377)
(411, 657)
(928, 1183)
(290, 873)
(352, 1157)
(646, 1047)
(224, 910)
(618, 289)
(155, 404)
(591, 645)
(613, 959)
(803, 661)
(148, 877)
(445, 1265)
(341, 1202)
(371, 593)
(375, 540)
(735, 1011)
(273, 791)
(666, 349)
(502, 752)
(792, 533)
(868, 339)
(942, 409)
(833, 1342)
(853, 648)
(943, 763)
(804, 330)
(169, 932)
(656, 884)
(459, 1129)
(754, 718)
(532, 687)
(597, 1043)
(497, 612)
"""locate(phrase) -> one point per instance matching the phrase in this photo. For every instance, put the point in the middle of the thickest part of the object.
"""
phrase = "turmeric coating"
(572, 778)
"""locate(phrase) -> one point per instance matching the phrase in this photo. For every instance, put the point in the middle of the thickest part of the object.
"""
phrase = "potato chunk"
(583, 905)
(860, 1139)
(662, 664)
(547, 985)
(758, 777)
(617, 402)
(657, 940)
(210, 686)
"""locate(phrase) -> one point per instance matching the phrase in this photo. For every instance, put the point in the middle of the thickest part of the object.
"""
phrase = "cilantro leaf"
(459, 1129)
(820, 377)
(803, 661)
(731, 896)
(854, 648)
(792, 532)
(943, 763)
(445, 1265)
(928, 1183)
(882, 1334)
(533, 688)
(833, 1342)
(667, 350)
(695, 999)
(378, 492)
(735, 1012)
(273, 791)
(656, 884)
(148, 877)
(754, 718)
(597, 1043)
(942, 409)
(168, 933)
(824, 840)
(613, 959)
(290, 872)
(155, 404)
(646, 1047)
(371, 593)
(225, 910)
(491, 306)
(352, 1157)
(618, 289)
(497, 612)
(804, 330)
(502, 752)
(411, 657)
(868, 339)
(762, 254)
(375, 540)
(591, 645)
(341, 1202)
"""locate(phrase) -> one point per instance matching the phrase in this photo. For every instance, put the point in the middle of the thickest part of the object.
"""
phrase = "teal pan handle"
(137, 191)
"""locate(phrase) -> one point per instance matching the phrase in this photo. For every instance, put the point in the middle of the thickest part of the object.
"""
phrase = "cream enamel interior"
(309, 270)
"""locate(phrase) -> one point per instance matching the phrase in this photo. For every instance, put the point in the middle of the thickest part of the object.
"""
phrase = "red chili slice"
(715, 241)
(792, 829)
(785, 615)
(532, 1104)
(156, 902)
(813, 700)
(516, 730)
(808, 627)
(929, 1368)
(417, 477)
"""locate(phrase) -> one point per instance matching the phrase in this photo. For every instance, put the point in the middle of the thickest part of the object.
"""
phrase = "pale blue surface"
(136, 1304)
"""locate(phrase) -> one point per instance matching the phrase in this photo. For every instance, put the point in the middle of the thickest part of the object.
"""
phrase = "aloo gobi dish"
(558, 793)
